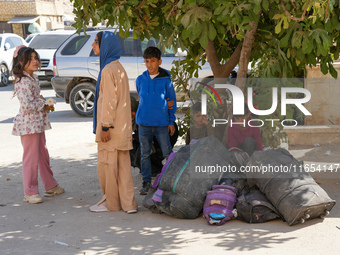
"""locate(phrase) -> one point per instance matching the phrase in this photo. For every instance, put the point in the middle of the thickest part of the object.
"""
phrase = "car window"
(16, 41)
(8, 40)
(29, 38)
(0, 40)
(169, 52)
(48, 41)
(74, 46)
(129, 47)
(148, 43)
(154, 42)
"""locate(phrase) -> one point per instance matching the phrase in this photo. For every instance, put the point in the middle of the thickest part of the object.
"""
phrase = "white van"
(8, 43)
(46, 43)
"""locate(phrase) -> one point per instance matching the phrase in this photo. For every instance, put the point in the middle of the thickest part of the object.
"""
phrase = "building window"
(5, 27)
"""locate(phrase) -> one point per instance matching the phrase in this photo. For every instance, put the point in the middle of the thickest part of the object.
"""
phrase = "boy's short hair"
(196, 108)
(152, 52)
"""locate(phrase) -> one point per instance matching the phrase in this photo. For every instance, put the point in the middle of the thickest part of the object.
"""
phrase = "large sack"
(149, 203)
(254, 207)
(193, 170)
(286, 184)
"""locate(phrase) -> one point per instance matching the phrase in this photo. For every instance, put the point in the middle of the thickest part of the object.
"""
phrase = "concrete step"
(310, 135)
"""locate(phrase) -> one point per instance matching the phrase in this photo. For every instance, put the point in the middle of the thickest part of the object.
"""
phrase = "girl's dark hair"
(99, 36)
(21, 61)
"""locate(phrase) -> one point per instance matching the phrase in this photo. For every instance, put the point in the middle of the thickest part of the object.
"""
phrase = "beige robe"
(114, 166)
(114, 108)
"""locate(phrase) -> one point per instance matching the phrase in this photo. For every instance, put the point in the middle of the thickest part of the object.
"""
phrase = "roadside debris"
(65, 244)
(61, 243)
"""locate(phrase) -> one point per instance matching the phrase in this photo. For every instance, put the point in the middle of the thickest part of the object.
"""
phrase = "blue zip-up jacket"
(153, 107)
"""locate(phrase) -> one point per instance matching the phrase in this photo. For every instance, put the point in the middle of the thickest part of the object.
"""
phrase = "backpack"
(219, 204)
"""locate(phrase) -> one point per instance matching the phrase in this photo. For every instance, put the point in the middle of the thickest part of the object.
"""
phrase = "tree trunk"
(245, 55)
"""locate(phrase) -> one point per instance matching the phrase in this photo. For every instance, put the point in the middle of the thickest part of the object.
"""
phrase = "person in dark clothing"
(202, 127)
(243, 137)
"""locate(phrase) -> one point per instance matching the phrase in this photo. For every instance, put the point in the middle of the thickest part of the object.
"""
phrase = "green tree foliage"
(286, 35)
(283, 37)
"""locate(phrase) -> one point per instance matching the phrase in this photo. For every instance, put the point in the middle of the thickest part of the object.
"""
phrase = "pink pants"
(36, 157)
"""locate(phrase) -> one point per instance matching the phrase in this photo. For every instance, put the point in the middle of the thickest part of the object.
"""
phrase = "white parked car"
(46, 43)
(8, 43)
(76, 67)
(29, 38)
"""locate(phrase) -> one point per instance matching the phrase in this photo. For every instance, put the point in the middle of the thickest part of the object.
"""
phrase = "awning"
(24, 20)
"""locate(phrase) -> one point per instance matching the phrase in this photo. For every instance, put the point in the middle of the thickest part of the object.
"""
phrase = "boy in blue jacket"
(154, 118)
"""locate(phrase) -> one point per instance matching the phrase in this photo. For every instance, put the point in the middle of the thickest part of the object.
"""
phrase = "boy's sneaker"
(131, 211)
(145, 189)
(33, 199)
(57, 190)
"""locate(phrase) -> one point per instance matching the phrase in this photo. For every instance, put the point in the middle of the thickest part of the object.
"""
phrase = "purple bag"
(219, 204)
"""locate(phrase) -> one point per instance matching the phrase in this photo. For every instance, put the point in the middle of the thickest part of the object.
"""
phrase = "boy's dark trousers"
(146, 135)
(156, 158)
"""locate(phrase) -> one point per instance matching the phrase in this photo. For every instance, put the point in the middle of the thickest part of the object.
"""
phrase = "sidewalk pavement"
(64, 224)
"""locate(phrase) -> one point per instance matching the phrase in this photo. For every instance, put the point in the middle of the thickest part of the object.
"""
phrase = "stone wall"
(18, 8)
(50, 12)
(325, 93)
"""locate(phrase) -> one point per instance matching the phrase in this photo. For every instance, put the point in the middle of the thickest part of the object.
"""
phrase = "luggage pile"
(194, 181)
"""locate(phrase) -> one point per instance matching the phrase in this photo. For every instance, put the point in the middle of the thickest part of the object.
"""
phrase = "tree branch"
(294, 5)
(326, 10)
(291, 16)
(231, 31)
(221, 71)
(174, 7)
(139, 6)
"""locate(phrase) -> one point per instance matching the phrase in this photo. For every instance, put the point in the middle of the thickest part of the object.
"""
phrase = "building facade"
(23, 17)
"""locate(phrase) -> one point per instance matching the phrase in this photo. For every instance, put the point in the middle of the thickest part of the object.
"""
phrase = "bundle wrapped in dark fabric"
(286, 184)
(187, 177)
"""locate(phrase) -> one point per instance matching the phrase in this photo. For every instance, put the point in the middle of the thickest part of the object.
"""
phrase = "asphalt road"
(64, 224)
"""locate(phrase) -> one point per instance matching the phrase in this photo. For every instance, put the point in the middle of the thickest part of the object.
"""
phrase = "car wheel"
(82, 99)
(4, 75)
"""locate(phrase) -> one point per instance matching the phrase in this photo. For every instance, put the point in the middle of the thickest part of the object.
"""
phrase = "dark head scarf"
(109, 51)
